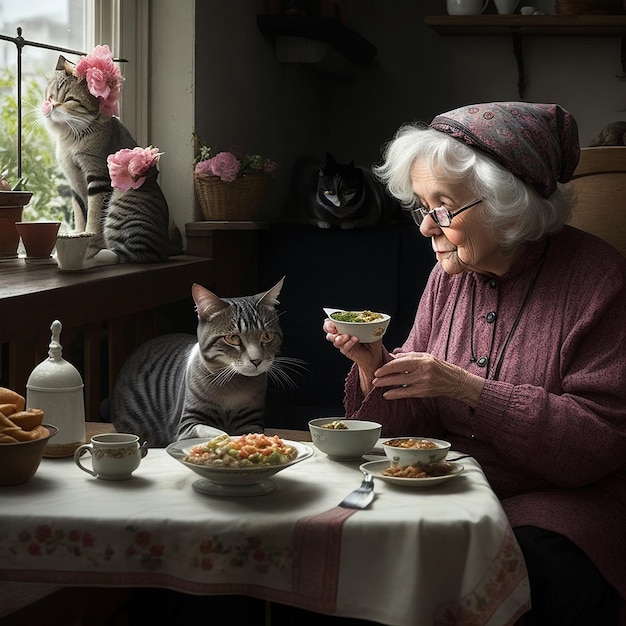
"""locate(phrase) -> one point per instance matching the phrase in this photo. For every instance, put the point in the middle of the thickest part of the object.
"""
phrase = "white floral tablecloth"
(437, 556)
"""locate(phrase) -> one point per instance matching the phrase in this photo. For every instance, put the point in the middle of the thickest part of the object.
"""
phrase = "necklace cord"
(531, 287)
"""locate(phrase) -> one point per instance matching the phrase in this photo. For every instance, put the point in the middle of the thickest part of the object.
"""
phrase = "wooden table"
(105, 312)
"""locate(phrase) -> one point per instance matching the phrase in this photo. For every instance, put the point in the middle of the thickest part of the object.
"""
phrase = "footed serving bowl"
(234, 480)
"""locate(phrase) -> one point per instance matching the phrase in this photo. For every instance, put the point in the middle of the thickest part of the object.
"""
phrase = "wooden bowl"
(19, 461)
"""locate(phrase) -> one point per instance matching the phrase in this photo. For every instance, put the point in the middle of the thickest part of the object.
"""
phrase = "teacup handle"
(86, 447)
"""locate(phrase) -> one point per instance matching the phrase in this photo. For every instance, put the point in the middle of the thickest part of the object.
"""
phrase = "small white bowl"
(367, 332)
(351, 443)
(399, 455)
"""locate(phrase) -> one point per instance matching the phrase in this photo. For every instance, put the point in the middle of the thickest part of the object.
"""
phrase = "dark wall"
(382, 268)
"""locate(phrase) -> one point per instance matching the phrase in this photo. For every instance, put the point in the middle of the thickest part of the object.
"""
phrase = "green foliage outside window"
(40, 171)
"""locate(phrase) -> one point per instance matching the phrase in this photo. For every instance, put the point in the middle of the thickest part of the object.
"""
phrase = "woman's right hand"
(367, 356)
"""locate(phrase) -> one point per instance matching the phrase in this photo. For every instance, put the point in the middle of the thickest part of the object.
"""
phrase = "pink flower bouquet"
(229, 166)
(104, 80)
(128, 168)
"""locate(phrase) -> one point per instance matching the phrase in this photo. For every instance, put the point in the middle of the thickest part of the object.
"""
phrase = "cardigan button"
(491, 317)
(493, 283)
(482, 361)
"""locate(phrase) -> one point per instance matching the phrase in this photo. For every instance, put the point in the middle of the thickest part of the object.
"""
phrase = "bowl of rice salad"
(238, 461)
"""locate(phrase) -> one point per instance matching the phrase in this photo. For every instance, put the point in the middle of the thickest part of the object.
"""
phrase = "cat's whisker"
(281, 379)
(223, 376)
(281, 368)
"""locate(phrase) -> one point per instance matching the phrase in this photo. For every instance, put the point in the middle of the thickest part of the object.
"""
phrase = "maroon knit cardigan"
(550, 432)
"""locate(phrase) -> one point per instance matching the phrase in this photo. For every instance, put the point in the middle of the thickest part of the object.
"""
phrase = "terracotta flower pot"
(12, 204)
(38, 238)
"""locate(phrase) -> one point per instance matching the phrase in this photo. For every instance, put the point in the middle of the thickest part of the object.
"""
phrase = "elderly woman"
(517, 353)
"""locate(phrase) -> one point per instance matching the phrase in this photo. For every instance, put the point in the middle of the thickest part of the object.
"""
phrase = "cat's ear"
(270, 297)
(64, 65)
(206, 301)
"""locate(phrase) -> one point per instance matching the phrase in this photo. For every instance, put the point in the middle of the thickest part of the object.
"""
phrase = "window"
(75, 25)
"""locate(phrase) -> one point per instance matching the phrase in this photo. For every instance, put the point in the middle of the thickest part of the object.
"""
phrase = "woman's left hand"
(421, 375)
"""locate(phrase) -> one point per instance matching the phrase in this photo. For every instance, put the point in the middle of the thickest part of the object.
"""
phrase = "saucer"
(375, 468)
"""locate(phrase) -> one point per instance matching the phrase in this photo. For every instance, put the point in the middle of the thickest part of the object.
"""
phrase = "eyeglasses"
(440, 214)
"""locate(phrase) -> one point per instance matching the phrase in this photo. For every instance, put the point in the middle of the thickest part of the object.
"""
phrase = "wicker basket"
(239, 200)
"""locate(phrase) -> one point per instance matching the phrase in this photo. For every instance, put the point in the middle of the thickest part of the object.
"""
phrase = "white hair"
(512, 208)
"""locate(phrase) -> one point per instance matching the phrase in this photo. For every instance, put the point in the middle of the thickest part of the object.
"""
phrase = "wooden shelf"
(520, 26)
(528, 25)
(323, 43)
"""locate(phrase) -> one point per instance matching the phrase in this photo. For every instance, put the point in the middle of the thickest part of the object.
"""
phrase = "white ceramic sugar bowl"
(56, 387)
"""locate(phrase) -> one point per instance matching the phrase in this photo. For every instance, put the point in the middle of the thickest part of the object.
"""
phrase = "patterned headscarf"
(536, 142)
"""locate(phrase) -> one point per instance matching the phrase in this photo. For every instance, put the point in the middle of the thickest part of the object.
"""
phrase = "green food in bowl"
(356, 316)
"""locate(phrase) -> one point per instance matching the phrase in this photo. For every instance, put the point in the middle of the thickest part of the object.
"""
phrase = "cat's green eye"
(233, 340)
(267, 336)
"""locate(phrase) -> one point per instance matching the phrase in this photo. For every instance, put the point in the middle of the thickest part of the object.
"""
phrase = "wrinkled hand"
(421, 375)
(368, 356)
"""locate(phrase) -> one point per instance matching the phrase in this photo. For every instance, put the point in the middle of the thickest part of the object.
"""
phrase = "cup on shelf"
(506, 7)
(114, 456)
(466, 7)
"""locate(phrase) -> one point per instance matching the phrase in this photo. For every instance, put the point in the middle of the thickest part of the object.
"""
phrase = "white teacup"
(466, 7)
(114, 456)
(506, 7)
(71, 250)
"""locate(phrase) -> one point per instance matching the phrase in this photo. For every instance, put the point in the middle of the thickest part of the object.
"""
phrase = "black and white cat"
(176, 385)
(345, 196)
(134, 226)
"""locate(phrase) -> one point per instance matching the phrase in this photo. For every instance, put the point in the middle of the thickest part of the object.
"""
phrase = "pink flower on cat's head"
(225, 165)
(104, 80)
(127, 168)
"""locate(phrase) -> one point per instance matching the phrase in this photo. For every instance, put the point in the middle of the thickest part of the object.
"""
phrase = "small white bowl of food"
(344, 440)
(416, 450)
(368, 326)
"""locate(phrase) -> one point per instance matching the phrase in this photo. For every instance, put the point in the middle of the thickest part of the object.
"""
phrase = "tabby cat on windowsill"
(130, 227)
(345, 196)
(176, 385)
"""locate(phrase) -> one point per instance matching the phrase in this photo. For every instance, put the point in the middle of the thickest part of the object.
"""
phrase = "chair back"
(600, 183)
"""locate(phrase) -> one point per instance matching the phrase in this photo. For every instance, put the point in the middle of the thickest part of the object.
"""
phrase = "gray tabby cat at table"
(133, 226)
(174, 386)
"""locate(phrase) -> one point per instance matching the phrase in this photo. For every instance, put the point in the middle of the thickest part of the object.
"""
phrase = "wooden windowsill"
(33, 296)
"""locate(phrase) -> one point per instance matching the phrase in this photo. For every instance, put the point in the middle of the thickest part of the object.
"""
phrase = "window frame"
(124, 25)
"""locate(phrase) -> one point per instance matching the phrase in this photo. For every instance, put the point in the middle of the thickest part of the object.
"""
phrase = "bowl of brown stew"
(416, 450)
